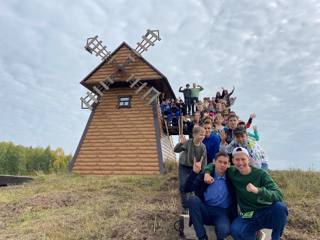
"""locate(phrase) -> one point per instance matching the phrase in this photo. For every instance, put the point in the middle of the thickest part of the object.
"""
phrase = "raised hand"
(208, 179)
(182, 139)
(253, 115)
(197, 166)
(223, 136)
(252, 188)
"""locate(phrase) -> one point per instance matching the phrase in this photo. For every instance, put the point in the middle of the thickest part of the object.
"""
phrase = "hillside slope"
(85, 207)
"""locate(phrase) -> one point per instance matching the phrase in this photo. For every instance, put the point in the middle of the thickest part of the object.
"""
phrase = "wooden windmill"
(124, 133)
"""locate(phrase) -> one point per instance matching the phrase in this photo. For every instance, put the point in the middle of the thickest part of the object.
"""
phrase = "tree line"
(20, 160)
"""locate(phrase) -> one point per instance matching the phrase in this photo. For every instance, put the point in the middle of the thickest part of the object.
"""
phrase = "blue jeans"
(183, 173)
(274, 217)
(202, 214)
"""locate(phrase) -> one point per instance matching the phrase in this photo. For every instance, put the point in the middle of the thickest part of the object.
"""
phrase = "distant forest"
(20, 160)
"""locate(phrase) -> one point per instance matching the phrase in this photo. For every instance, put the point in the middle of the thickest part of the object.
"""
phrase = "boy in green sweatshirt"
(195, 90)
(258, 196)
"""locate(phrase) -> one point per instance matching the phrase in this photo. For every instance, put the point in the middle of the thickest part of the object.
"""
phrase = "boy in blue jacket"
(212, 204)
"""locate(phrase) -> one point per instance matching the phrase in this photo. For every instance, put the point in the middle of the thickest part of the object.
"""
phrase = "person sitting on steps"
(212, 204)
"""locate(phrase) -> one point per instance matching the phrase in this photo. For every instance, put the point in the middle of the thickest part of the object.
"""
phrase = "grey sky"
(268, 49)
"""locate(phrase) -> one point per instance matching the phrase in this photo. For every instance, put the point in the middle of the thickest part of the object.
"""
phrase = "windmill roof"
(141, 68)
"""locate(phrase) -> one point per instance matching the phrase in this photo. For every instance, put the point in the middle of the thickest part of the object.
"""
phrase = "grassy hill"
(123, 207)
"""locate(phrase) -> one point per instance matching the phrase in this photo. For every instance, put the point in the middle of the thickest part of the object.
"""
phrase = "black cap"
(239, 131)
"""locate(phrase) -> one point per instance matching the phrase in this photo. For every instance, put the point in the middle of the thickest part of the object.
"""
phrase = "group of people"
(173, 109)
(222, 163)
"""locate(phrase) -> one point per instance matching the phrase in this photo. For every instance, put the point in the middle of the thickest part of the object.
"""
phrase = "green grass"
(87, 207)
(302, 194)
(129, 207)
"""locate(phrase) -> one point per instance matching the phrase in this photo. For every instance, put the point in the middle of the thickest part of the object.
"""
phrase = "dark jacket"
(195, 183)
(186, 92)
(229, 134)
(190, 126)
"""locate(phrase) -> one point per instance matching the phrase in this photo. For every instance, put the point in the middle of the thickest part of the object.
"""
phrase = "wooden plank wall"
(119, 141)
(166, 142)
(167, 149)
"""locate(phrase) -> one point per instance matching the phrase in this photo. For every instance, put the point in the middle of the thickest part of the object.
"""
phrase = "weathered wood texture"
(119, 140)
(167, 149)
(139, 68)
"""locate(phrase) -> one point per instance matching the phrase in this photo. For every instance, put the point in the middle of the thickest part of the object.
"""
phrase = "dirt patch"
(153, 221)
(10, 211)
(170, 183)
(161, 197)
(117, 190)
(294, 234)
(45, 201)
(305, 216)
(148, 225)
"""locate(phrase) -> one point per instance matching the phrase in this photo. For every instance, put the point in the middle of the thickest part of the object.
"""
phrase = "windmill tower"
(124, 133)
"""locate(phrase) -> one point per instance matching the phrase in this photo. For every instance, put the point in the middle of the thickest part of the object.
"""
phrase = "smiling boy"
(191, 150)
(257, 154)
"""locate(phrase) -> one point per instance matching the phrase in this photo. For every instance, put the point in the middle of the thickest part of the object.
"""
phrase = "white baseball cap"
(240, 150)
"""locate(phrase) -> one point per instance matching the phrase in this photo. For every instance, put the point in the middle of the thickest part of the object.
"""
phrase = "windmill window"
(124, 102)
